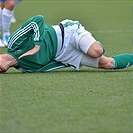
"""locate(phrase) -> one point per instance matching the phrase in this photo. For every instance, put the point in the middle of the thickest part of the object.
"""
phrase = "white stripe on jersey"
(23, 31)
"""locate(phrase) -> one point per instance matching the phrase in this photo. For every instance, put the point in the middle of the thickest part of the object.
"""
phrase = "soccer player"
(40, 47)
(6, 12)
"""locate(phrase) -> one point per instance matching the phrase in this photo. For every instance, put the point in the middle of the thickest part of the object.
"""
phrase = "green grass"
(88, 101)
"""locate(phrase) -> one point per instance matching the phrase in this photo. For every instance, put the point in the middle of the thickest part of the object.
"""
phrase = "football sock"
(6, 20)
(123, 61)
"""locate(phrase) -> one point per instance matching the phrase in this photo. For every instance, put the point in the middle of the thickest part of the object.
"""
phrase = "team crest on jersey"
(18, 51)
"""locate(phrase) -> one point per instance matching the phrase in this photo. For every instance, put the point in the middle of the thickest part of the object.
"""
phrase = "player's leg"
(90, 46)
(13, 19)
(1, 7)
(0, 23)
(116, 62)
(82, 39)
(106, 62)
(94, 49)
(119, 61)
(2, 3)
(89, 61)
(7, 12)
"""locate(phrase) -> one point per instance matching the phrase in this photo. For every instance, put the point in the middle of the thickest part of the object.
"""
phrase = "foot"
(5, 40)
(1, 43)
(13, 19)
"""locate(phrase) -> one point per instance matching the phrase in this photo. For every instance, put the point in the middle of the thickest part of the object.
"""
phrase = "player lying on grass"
(40, 47)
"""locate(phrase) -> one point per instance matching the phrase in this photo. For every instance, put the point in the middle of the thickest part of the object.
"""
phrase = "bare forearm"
(31, 52)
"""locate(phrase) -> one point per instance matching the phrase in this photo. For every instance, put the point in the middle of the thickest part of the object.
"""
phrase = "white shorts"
(73, 48)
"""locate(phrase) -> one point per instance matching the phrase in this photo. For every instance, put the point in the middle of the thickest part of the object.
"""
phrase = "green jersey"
(34, 32)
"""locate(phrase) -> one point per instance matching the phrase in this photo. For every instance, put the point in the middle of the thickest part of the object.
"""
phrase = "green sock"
(123, 61)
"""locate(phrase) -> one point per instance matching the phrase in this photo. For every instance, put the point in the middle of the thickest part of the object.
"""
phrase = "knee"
(2, 5)
(98, 52)
(95, 51)
(9, 4)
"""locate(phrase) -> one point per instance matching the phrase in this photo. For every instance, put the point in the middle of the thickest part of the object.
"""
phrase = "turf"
(88, 101)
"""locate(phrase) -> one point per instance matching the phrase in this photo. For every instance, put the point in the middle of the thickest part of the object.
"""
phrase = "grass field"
(88, 101)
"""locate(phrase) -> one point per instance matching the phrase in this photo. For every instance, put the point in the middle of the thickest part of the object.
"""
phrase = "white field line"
(111, 31)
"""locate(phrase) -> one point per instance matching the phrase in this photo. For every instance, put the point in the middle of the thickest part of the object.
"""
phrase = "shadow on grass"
(73, 71)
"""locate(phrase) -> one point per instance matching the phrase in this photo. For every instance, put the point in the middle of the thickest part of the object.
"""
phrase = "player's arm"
(37, 24)
(31, 52)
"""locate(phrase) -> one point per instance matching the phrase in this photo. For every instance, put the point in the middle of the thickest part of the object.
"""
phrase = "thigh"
(2, 5)
(85, 43)
(78, 35)
(88, 45)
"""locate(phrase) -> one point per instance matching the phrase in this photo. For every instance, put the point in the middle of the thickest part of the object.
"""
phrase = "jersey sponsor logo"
(18, 51)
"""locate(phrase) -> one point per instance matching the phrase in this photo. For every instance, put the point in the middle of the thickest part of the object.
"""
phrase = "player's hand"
(1, 70)
(31, 52)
